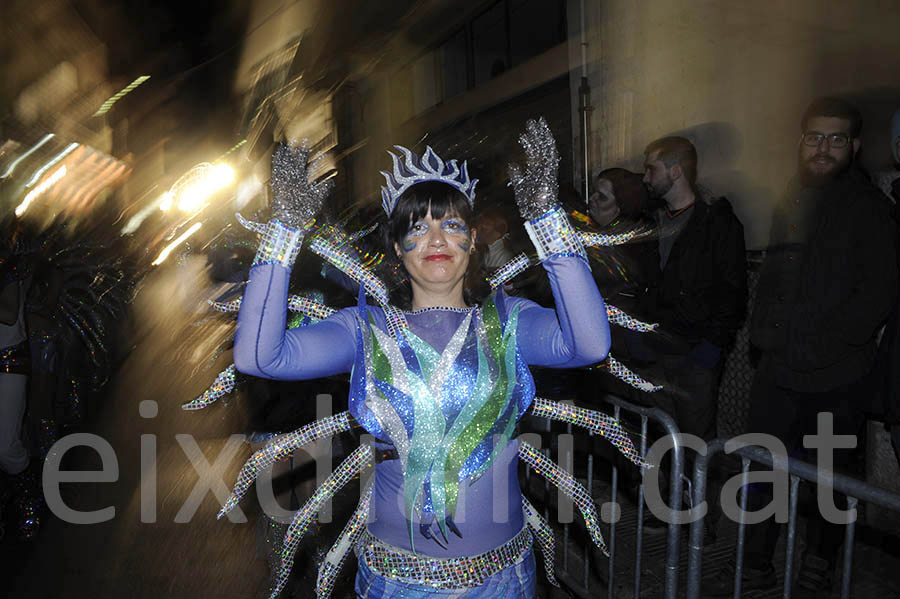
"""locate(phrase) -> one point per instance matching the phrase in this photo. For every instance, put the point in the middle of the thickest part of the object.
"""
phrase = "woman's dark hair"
(415, 202)
(413, 205)
(631, 195)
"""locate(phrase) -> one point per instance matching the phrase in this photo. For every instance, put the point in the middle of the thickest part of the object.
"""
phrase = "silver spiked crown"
(430, 167)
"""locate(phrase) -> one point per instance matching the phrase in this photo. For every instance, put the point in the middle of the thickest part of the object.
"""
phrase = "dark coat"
(822, 296)
(886, 373)
(701, 294)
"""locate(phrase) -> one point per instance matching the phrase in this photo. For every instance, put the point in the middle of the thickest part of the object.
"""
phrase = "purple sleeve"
(576, 333)
(264, 347)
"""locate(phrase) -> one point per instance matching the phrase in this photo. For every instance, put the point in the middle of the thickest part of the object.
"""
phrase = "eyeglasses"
(835, 140)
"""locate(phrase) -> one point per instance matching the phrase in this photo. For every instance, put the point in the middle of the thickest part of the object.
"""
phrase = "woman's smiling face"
(436, 251)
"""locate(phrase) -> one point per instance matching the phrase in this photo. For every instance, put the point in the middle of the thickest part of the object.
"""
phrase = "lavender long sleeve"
(263, 347)
(575, 334)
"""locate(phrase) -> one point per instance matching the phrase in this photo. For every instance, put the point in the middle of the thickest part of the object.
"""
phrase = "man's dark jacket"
(823, 295)
(701, 294)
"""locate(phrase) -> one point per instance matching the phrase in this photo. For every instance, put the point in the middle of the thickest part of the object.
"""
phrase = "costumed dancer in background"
(21, 488)
(439, 382)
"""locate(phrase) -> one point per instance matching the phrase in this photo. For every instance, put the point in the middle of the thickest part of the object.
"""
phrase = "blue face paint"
(456, 226)
(410, 240)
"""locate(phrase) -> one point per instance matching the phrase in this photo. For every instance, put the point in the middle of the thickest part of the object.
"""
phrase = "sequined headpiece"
(412, 170)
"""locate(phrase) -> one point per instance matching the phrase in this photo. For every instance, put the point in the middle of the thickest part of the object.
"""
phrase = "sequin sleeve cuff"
(280, 244)
(553, 235)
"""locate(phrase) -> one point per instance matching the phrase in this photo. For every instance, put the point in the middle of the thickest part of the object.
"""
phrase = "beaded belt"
(442, 573)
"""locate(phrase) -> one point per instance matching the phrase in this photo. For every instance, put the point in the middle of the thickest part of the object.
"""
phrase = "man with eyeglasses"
(827, 283)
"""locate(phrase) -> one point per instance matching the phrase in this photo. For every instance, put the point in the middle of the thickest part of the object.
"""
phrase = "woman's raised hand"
(295, 198)
(537, 187)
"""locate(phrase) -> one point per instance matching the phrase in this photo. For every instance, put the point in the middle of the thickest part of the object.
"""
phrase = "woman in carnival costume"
(439, 384)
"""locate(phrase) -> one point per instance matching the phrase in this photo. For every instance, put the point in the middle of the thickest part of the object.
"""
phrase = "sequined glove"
(296, 200)
(536, 189)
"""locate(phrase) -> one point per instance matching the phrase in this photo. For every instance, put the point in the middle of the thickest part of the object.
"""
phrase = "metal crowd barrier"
(579, 583)
(855, 491)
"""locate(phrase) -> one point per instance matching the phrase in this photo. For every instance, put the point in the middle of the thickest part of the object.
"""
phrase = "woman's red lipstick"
(437, 257)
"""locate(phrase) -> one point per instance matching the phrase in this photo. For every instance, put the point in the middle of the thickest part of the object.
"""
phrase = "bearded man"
(828, 282)
(699, 294)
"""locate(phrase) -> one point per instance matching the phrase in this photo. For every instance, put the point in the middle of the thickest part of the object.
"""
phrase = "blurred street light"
(44, 186)
(178, 241)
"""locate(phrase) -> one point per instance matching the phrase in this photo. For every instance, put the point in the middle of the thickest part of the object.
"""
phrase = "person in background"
(889, 179)
(699, 298)
(619, 203)
(493, 231)
(19, 486)
(885, 374)
(828, 282)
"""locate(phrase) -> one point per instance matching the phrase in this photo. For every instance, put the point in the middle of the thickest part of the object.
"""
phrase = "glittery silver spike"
(354, 237)
(602, 239)
(618, 317)
(350, 467)
(509, 271)
(596, 422)
(295, 303)
(544, 535)
(411, 170)
(251, 225)
(230, 306)
(309, 307)
(334, 560)
(621, 372)
(564, 481)
(338, 256)
(280, 448)
(222, 386)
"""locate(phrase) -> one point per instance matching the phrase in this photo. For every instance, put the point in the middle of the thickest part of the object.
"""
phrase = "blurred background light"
(204, 182)
(50, 163)
(33, 149)
(178, 241)
(44, 186)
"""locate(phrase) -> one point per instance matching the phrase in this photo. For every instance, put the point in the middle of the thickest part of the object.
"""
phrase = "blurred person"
(21, 489)
(889, 179)
(699, 297)
(494, 243)
(618, 195)
(617, 204)
(886, 377)
(493, 237)
(826, 285)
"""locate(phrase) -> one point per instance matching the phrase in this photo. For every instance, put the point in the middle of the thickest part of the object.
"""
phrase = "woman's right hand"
(296, 199)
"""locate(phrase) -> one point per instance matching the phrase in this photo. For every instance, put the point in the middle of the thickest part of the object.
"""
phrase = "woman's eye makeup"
(419, 228)
(454, 225)
(408, 243)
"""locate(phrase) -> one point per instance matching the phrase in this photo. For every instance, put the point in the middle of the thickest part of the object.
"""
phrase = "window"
(489, 43)
(425, 83)
(507, 34)
(535, 26)
(453, 66)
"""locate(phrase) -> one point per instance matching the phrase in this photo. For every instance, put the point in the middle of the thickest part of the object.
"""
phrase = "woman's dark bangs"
(418, 199)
